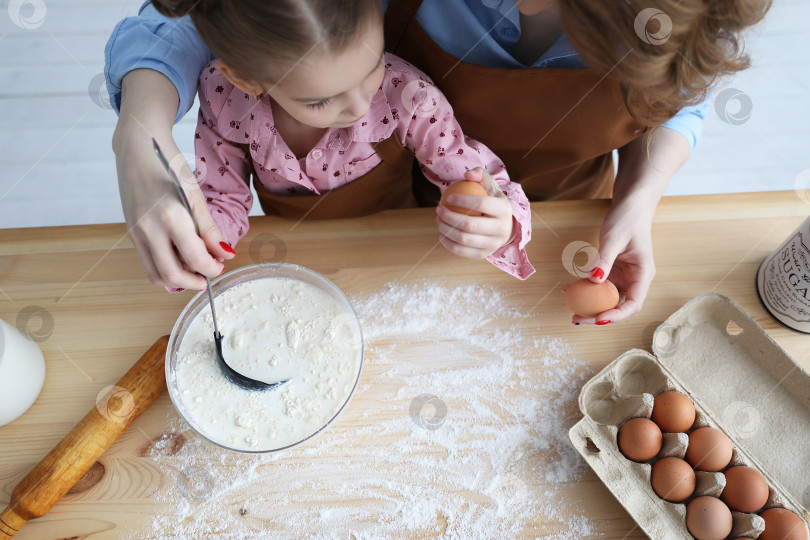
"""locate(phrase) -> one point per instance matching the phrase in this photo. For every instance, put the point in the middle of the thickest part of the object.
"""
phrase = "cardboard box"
(740, 381)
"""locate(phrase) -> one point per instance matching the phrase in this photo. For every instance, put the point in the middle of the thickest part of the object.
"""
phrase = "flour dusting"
(458, 429)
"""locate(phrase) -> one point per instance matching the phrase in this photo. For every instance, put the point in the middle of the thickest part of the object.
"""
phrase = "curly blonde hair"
(666, 54)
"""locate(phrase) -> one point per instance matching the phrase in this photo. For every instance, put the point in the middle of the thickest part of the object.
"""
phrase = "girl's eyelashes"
(324, 102)
(321, 104)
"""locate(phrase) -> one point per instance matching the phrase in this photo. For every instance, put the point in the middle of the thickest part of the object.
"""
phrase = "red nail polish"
(600, 323)
(597, 273)
(227, 248)
(221, 271)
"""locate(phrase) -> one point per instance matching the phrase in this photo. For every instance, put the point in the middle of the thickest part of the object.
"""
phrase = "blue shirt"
(483, 32)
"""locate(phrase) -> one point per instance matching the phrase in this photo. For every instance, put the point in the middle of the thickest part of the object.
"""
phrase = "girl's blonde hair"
(250, 36)
(666, 54)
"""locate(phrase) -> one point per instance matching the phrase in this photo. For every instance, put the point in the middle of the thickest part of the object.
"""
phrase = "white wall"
(57, 166)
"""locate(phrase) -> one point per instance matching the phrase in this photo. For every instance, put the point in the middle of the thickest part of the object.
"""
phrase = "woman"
(626, 75)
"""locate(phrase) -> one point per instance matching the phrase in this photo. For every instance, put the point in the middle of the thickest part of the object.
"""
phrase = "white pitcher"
(22, 372)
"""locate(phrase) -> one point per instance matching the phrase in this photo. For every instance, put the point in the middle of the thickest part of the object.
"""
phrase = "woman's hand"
(626, 259)
(646, 166)
(158, 224)
(476, 237)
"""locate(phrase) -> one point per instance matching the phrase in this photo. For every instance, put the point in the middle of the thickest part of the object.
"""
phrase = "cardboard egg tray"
(740, 381)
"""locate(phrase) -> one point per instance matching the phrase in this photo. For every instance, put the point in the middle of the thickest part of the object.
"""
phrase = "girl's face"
(326, 90)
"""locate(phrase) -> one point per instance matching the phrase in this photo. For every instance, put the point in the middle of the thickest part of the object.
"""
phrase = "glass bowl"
(199, 306)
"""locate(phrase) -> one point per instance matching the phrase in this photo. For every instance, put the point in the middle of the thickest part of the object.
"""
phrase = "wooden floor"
(57, 167)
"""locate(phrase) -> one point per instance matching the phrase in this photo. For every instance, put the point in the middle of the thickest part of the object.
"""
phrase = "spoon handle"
(211, 302)
(177, 184)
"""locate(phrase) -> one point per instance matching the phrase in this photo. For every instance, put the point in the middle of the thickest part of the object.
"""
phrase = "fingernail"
(221, 271)
(227, 248)
(600, 323)
(597, 273)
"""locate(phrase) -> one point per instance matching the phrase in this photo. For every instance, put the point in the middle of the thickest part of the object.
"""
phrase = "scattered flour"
(458, 429)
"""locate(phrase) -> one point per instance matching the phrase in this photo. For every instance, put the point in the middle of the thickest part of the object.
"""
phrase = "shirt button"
(316, 154)
(510, 32)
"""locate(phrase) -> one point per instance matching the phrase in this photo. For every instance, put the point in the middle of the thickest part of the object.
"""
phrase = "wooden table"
(105, 314)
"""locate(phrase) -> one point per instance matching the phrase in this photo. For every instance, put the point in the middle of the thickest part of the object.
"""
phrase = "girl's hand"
(476, 237)
(626, 259)
(158, 224)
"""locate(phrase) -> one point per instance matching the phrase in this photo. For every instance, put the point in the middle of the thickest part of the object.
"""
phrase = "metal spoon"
(232, 375)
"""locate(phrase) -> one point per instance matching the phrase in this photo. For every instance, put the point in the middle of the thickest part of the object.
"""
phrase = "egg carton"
(741, 383)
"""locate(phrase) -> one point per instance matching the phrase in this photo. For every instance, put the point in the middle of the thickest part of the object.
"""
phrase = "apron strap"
(398, 15)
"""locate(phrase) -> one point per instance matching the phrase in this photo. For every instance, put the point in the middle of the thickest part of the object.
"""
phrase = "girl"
(303, 98)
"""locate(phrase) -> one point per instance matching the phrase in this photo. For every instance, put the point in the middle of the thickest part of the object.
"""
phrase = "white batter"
(273, 329)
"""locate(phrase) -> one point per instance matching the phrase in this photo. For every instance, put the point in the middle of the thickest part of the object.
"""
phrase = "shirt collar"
(561, 49)
(508, 10)
(374, 126)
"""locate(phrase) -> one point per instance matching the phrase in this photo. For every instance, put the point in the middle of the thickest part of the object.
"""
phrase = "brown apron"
(388, 185)
(554, 129)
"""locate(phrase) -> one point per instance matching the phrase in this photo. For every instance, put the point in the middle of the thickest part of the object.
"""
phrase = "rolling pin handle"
(10, 523)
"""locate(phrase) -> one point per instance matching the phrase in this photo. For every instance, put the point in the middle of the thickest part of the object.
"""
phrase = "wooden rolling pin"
(48, 482)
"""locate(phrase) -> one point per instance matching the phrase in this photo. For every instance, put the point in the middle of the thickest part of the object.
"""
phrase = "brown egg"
(640, 439)
(708, 518)
(672, 479)
(781, 524)
(588, 299)
(673, 412)
(746, 490)
(709, 449)
(463, 187)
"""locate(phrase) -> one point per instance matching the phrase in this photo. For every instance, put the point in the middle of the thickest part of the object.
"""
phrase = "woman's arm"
(625, 242)
(151, 41)
(159, 226)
